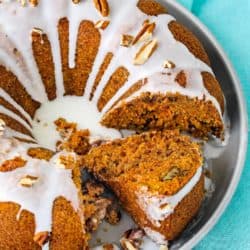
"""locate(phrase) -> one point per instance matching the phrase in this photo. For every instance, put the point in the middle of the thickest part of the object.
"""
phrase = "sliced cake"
(157, 176)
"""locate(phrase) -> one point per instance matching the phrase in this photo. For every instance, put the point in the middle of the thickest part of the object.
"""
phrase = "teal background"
(229, 22)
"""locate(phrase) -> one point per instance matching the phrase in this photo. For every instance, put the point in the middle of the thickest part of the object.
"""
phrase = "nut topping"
(33, 3)
(76, 1)
(108, 247)
(102, 6)
(170, 175)
(168, 65)
(145, 52)
(23, 2)
(132, 239)
(41, 238)
(126, 40)
(163, 247)
(37, 30)
(102, 24)
(145, 34)
(28, 181)
(174, 172)
(2, 126)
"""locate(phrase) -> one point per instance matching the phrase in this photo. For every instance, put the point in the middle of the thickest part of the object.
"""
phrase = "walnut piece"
(145, 52)
(102, 6)
(28, 181)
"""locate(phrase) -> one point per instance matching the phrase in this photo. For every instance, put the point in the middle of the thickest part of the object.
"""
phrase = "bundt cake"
(156, 175)
(105, 66)
(40, 195)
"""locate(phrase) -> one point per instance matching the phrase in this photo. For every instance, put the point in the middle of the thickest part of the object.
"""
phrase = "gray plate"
(228, 167)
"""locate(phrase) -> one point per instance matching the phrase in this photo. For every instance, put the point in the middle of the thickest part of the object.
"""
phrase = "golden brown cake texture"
(171, 111)
(161, 162)
(167, 111)
(17, 227)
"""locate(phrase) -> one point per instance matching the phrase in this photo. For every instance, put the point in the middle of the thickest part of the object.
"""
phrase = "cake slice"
(157, 176)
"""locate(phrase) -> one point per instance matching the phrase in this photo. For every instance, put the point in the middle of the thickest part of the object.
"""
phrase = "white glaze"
(152, 203)
(52, 183)
(73, 109)
(163, 83)
(155, 236)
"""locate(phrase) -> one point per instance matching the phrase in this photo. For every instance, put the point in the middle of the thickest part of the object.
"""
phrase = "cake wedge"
(157, 176)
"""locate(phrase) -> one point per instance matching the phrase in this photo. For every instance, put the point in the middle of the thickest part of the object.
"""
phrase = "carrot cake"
(157, 176)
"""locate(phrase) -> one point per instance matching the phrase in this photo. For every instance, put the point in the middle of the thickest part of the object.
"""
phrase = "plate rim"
(243, 145)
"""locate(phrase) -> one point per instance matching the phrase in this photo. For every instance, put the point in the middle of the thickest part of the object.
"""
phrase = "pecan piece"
(168, 64)
(132, 239)
(102, 6)
(145, 33)
(41, 238)
(2, 126)
(28, 181)
(126, 40)
(102, 24)
(33, 3)
(145, 52)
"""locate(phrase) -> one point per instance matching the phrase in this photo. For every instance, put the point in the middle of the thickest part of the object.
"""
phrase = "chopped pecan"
(126, 40)
(41, 238)
(145, 34)
(28, 181)
(102, 24)
(145, 52)
(168, 64)
(102, 6)
(2, 126)
(34, 3)
(132, 239)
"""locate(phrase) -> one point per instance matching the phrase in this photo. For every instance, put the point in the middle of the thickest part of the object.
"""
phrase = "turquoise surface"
(229, 22)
